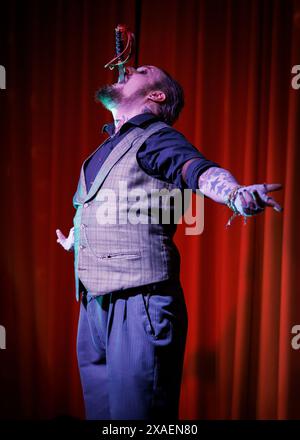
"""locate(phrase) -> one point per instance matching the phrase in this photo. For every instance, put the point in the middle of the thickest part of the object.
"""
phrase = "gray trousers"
(130, 348)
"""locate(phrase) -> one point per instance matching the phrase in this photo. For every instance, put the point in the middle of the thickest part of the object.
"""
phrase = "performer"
(133, 318)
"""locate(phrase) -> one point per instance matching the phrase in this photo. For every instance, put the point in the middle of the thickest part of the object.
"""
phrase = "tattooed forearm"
(216, 183)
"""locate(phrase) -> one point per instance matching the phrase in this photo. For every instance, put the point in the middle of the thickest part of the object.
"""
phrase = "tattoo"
(227, 191)
(216, 183)
(221, 188)
(123, 118)
(146, 109)
(119, 122)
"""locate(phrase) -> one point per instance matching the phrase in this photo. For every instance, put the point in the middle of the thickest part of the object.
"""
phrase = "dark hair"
(169, 109)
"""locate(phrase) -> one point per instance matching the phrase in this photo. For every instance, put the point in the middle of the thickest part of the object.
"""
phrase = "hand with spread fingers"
(66, 242)
(251, 200)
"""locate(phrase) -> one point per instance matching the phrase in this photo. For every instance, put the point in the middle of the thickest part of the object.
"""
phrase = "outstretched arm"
(221, 186)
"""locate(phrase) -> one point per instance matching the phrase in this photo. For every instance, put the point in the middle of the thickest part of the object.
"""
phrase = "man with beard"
(133, 319)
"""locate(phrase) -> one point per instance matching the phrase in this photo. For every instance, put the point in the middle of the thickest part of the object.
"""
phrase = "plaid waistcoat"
(114, 253)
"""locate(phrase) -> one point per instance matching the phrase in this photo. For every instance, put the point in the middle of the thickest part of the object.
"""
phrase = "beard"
(109, 96)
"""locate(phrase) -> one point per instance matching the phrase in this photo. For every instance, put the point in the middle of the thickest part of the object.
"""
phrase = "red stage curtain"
(234, 60)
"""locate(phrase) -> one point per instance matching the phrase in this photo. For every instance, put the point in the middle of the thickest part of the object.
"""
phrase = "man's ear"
(157, 96)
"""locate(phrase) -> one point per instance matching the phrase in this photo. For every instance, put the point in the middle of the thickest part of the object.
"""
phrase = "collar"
(137, 121)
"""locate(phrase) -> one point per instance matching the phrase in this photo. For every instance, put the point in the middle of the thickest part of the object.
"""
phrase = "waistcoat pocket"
(115, 255)
(126, 255)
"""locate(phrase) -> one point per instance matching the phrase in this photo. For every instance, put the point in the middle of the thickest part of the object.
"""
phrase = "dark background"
(234, 60)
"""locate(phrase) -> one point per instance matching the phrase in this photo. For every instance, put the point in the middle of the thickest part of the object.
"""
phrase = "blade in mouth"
(121, 74)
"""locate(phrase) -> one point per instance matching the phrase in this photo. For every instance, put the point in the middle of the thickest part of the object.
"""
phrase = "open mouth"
(126, 78)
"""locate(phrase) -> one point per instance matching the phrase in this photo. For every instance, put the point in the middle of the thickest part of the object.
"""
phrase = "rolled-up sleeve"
(164, 154)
